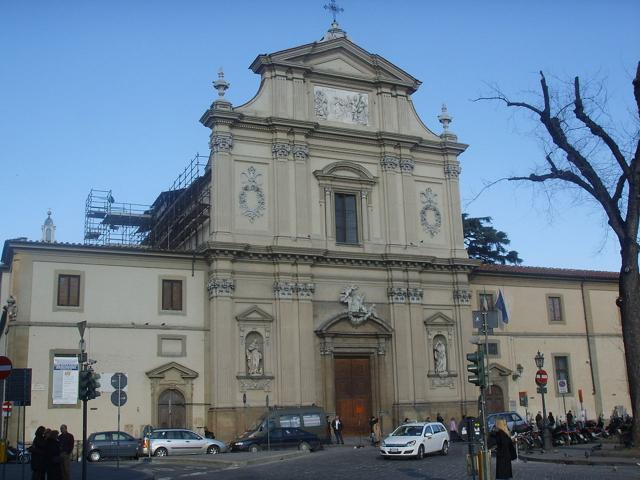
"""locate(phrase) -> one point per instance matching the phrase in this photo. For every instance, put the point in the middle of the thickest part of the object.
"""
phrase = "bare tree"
(585, 154)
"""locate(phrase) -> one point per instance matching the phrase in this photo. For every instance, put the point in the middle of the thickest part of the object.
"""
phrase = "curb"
(578, 461)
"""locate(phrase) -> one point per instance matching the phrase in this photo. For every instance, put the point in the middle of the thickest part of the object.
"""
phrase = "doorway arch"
(172, 411)
(494, 399)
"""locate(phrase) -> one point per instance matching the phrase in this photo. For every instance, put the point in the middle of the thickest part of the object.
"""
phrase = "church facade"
(330, 269)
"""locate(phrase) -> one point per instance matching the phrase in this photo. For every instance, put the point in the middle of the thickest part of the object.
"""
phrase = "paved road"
(364, 464)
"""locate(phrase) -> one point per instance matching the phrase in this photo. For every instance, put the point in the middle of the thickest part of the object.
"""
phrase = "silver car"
(178, 441)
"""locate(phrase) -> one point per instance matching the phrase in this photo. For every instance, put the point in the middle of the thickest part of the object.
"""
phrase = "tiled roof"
(545, 271)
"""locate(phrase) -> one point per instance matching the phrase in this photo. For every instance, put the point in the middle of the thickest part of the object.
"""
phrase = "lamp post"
(546, 434)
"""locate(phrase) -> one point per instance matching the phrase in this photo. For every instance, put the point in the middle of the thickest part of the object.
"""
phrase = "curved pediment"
(341, 324)
(345, 171)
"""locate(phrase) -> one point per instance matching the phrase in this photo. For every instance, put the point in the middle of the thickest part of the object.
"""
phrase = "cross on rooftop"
(335, 9)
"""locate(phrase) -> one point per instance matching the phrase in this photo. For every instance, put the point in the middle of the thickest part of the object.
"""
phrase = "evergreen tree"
(485, 243)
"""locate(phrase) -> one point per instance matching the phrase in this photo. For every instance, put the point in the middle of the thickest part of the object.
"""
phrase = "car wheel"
(254, 448)
(420, 455)
(213, 450)
(445, 448)
(304, 447)
(160, 452)
(95, 456)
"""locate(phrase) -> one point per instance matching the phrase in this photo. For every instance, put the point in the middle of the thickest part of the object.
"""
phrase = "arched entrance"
(171, 409)
(495, 399)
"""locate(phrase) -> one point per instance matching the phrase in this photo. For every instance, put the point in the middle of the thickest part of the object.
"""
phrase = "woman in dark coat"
(505, 451)
(37, 450)
(52, 458)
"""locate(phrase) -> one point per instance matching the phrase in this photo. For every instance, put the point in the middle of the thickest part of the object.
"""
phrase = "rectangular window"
(554, 305)
(68, 290)
(561, 363)
(486, 301)
(311, 420)
(289, 421)
(346, 218)
(492, 348)
(172, 295)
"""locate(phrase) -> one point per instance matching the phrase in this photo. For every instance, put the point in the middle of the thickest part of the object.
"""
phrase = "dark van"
(308, 419)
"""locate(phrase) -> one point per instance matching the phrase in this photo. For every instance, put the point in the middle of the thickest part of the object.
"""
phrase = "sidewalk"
(12, 471)
(602, 454)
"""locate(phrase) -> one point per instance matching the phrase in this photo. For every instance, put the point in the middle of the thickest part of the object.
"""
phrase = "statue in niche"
(440, 356)
(254, 358)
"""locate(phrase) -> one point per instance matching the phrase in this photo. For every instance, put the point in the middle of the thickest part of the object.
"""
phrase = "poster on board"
(65, 381)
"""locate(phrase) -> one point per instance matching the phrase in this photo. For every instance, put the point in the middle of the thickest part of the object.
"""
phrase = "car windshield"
(407, 431)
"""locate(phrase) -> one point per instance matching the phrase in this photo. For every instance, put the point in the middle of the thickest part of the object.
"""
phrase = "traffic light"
(476, 369)
(83, 384)
(94, 385)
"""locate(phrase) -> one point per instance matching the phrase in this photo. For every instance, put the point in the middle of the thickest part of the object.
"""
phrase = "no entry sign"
(5, 367)
(6, 409)
(541, 377)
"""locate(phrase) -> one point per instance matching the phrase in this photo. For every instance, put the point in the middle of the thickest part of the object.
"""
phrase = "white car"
(415, 440)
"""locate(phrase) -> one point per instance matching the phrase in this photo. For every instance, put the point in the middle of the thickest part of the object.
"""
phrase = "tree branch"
(597, 130)
(511, 104)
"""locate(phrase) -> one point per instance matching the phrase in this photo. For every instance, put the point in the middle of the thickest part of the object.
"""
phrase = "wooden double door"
(353, 393)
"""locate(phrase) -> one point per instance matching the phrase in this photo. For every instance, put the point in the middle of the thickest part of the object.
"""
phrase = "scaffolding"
(107, 222)
(172, 219)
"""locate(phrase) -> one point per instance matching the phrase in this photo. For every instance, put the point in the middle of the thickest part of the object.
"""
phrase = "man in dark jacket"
(337, 426)
(66, 449)
(37, 450)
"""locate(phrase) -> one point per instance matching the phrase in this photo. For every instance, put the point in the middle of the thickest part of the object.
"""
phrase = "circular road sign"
(541, 377)
(7, 407)
(5, 367)
(119, 398)
(118, 380)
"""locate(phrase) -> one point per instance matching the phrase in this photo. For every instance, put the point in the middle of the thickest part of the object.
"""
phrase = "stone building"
(326, 266)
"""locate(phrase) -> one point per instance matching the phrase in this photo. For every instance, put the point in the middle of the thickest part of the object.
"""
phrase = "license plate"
(394, 450)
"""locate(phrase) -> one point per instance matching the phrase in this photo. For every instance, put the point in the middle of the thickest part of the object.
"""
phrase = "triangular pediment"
(439, 319)
(254, 314)
(342, 325)
(339, 57)
(500, 369)
(163, 370)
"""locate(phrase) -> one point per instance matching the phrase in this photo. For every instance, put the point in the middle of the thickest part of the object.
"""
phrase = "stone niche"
(255, 355)
(440, 341)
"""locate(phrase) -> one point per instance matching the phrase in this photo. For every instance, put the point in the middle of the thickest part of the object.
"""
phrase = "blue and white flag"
(502, 307)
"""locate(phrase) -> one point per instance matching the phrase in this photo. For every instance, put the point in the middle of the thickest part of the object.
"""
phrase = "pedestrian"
(406, 420)
(505, 451)
(539, 421)
(570, 418)
(37, 450)
(338, 426)
(377, 431)
(328, 422)
(550, 420)
(66, 449)
(453, 430)
(52, 457)
(439, 418)
(372, 434)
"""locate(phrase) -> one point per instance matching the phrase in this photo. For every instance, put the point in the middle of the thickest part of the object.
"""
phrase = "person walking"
(377, 431)
(539, 421)
(439, 418)
(550, 420)
(505, 451)
(37, 450)
(328, 423)
(338, 426)
(372, 435)
(453, 430)
(66, 449)
(52, 456)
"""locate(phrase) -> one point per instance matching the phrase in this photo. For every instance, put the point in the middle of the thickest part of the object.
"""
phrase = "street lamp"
(546, 434)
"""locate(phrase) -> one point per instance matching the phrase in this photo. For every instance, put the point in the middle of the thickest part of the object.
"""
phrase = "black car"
(111, 444)
(286, 437)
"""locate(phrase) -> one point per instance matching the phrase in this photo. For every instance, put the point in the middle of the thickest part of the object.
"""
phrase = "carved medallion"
(358, 311)
(430, 216)
(252, 202)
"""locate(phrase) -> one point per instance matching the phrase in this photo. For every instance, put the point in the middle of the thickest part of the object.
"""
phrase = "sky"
(108, 95)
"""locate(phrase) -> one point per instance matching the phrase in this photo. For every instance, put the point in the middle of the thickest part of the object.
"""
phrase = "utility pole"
(82, 360)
